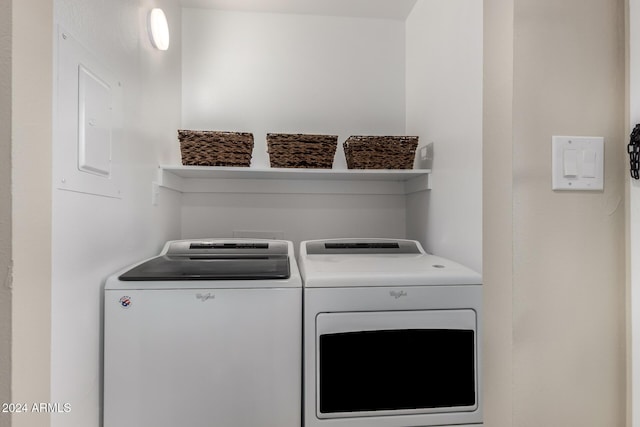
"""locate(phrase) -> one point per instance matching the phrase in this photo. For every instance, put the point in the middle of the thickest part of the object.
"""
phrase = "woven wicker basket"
(213, 148)
(301, 150)
(380, 152)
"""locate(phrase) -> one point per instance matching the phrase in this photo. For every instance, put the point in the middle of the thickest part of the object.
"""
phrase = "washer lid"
(211, 267)
(216, 259)
(227, 247)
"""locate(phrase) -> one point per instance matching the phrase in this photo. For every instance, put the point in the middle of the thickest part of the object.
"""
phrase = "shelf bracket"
(165, 179)
(419, 183)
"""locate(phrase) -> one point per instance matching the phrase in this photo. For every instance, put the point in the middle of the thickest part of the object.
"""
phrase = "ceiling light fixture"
(158, 29)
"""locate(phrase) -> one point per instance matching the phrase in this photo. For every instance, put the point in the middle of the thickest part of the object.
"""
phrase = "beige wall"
(5, 206)
(31, 175)
(498, 211)
(567, 265)
(633, 217)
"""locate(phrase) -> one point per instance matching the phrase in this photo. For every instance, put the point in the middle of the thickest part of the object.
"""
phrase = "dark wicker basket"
(213, 148)
(301, 150)
(380, 152)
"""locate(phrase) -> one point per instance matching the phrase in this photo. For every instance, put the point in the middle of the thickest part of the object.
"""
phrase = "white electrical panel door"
(203, 357)
(87, 119)
(95, 124)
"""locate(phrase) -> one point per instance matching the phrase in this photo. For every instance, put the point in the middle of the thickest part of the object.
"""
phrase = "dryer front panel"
(396, 367)
(405, 362)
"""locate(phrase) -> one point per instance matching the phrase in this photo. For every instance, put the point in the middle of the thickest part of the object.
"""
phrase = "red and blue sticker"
(125, 302)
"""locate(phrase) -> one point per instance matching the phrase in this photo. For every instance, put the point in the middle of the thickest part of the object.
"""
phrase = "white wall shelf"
(215, 179)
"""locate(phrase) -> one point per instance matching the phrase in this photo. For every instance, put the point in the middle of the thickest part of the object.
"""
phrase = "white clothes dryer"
(391, 336)
(208, 333)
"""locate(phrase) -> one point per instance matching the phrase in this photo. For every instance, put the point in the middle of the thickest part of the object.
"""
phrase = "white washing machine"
(208, 333)
(391, 336)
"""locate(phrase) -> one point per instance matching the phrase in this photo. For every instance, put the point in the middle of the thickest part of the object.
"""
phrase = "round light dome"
(158, 29)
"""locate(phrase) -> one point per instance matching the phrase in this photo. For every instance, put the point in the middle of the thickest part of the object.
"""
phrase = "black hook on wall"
(634, 152)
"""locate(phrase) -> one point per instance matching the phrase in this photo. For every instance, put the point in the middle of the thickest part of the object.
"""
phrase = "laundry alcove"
(341, 69)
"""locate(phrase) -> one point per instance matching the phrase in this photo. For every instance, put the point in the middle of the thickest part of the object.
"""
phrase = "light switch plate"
(577, 163)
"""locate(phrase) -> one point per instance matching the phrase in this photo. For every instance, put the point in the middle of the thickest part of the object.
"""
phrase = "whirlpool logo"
(125, 302)
(398, 294)
(205, 297)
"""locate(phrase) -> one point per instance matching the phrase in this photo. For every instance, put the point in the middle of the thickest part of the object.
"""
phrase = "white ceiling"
(383, 9)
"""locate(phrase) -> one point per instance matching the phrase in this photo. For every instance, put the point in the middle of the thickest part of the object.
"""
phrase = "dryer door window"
(396, 362)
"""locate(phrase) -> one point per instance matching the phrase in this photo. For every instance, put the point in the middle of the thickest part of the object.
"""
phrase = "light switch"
(577, 163)
(570, 161)
(589, 163)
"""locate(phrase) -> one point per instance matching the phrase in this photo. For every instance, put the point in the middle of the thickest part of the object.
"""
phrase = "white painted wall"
(262, 72)
(299, 216)
(93, 236)
(444, 106)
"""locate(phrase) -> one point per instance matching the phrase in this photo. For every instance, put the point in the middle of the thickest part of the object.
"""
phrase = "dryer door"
(396, 363)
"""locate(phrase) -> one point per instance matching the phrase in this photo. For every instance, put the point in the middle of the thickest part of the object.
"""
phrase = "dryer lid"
(377, 262)
(361, 246)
